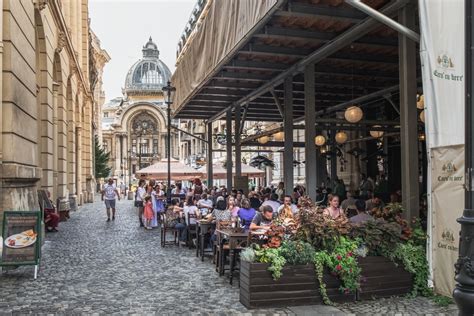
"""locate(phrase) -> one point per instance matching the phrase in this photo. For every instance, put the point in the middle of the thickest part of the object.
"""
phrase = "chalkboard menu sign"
(21, 233)
(242, 183)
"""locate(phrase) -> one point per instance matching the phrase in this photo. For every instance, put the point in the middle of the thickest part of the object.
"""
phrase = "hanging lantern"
(320, 140)
(422, 116)
(323, 149)
(420, 101)
(341, 137)
(353, 114)
(376, 134)
(263, 140)
(280, 136)
(422, 137)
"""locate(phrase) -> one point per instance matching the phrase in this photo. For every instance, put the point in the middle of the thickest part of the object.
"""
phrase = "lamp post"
(464, 292)
(169, 89)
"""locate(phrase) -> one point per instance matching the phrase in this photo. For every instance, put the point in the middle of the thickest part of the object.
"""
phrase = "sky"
(124, 26)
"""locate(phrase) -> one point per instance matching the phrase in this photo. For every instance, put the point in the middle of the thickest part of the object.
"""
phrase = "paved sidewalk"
(96, 267)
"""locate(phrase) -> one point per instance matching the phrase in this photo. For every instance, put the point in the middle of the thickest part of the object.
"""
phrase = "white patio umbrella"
(219, 172)
(159, 171)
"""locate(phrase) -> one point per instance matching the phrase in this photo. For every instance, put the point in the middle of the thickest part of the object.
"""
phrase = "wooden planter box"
(297, 286)
(382, 278)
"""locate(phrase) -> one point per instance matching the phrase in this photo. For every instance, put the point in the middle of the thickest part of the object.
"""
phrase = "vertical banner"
(442, 60)
(447, 199)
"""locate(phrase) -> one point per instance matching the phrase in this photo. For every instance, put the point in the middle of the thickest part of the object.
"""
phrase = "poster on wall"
(448, 204)
(21, 244)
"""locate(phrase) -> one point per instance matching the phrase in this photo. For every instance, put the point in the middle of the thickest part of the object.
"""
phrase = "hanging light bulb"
(341, 137)
(422, 116)
(353, 114)
(263, 140)
(280, 136)
(420, 101)
(320, 140)
(377, 133)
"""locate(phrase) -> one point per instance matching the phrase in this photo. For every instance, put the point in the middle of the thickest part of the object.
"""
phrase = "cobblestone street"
(93, 266)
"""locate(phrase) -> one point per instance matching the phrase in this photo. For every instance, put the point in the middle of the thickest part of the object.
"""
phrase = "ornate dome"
(149, 73)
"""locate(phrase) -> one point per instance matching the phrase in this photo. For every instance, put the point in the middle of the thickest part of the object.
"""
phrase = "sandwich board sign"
(21, 234)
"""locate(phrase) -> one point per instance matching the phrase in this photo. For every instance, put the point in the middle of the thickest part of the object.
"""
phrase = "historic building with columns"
(134, 126)
(51, 65)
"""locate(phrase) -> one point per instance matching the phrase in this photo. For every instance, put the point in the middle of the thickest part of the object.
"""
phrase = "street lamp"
(169, 90)
(464, 268)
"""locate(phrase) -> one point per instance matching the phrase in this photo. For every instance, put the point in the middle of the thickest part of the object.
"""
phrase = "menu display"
(20, 238)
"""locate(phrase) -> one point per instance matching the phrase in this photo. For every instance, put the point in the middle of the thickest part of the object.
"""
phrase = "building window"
(134, 146)
(106, 114)
(105, 146)
(144, 146)
(155, 146)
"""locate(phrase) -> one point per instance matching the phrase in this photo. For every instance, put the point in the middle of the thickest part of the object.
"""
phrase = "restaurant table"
(236, 241)
(203, 227)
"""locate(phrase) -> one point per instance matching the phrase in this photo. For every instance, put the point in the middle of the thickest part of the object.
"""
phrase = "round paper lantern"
(422, 116)
(420, 102)
(263, 139)
(341, 137)
(376, 134)
(353, 114)
(320, 140)
(280, 136)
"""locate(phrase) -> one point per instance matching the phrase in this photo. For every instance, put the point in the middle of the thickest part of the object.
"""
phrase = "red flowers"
(349, 254)
(339, 257)
(338, 267)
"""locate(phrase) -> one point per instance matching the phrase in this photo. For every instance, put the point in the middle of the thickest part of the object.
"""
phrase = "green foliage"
(414, 260)
(248, 254)
(342, 262)
(319, 259)
(297, 252)
(101, 160)
(379, 236)
(442, 301)
(273, 257)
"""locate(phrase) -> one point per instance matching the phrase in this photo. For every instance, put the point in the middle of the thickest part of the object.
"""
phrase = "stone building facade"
(50, 82)
(134, 126)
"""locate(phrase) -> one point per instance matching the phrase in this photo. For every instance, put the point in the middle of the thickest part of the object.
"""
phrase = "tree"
(102, 170)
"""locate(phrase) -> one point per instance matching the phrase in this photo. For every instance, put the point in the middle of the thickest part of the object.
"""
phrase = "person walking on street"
(110, 193)
(139, 197)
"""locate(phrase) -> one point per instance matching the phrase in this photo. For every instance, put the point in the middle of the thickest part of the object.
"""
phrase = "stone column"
(80, 196)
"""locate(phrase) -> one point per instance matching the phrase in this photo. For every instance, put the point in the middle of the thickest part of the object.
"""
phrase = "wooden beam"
(278, 103)
(287, 110)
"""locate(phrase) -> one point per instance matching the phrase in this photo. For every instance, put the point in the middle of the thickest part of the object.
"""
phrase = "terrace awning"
(242, 58)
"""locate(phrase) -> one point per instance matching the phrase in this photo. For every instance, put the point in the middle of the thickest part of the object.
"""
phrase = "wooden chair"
(220, 257)
(192, 228)
(164, 229)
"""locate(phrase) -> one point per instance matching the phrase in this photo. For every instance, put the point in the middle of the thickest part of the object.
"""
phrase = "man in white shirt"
(287, 202)
(205, 205)
(110, 193)
(273, 202)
